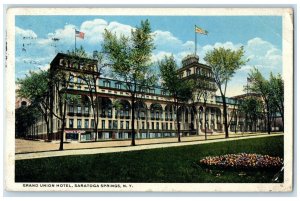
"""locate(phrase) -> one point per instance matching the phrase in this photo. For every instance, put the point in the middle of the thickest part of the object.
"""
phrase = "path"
(41, 149)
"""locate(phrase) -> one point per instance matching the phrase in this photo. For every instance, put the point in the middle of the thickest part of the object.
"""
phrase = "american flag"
(79, 34)
(200, 30)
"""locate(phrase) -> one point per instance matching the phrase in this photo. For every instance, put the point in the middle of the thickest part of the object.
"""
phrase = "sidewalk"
(41, 149)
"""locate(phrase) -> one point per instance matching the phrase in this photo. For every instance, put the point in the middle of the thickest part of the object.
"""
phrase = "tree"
(26, 117)
(130, 59)
(262, 86)
(180, 91)
(272, 93)
(60, 81)
(90, 74)
(35, 88)
(252, 108)
(277, 94)
(201, 88)
(224, 63)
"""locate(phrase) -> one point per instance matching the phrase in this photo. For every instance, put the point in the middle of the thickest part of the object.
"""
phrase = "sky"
(261, 37)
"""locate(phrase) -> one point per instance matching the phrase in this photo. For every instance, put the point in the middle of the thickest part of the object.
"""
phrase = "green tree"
(130, 59)
(252, 108)
(224, 63)
(26, 117)
(201, 88)
(60, 81)
(179, 90)
(277, 93)
(262, 86)
(35, 88)
(90, 74)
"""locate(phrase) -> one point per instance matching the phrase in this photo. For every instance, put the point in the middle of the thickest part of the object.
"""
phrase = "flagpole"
(195, 40)
(75, 41)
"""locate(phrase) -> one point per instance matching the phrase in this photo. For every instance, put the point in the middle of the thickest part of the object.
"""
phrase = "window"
(143, 125)
(162, 126)
(152, 124)
(142, 114)
(71, 108)
(171, 126)
(167, 126)
(188, 72)
(157, 115)
(86, 123)
(152, 114)
(110, 124)
(127, 124)
(78, 123)
(107, 83)
(61, 62)
(81, 66)
(122, 125)
(78, 80)
(115, 124)
(86, 109)
(118, 85)
(198, 71)
(109, 113)
(71, 123)
(121, 113)
(79, 109)
(71, 78)
(23, 103)
(157, 125)
(103, 124)
(92, 123)
(126, 113)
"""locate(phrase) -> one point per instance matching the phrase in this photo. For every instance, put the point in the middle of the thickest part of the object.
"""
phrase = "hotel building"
(154, 110)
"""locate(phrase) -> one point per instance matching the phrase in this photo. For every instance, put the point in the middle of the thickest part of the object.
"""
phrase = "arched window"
(23, 103)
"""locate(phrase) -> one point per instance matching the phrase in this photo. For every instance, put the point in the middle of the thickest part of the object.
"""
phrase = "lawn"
(175, 164)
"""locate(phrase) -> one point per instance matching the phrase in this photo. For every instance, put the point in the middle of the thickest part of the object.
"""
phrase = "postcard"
(149, 99)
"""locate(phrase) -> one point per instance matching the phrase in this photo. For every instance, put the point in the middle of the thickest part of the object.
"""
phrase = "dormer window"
(118, 85)
(107, 83)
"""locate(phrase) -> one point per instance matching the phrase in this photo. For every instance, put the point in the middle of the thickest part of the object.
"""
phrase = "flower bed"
(243, 161)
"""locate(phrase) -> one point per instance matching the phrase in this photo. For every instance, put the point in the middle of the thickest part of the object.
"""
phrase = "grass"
(174, 164)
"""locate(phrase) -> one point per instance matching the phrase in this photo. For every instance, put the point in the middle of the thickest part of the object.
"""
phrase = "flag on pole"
(79, 34)
(200, 30)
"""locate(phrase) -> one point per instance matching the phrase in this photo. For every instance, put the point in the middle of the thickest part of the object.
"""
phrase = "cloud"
(94, 30)
(20, 33)
(160, 56)
(264, 55)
